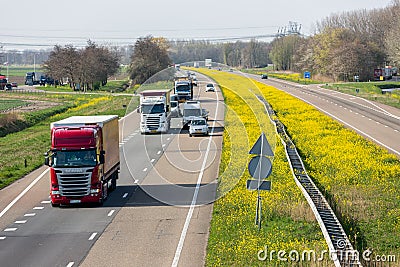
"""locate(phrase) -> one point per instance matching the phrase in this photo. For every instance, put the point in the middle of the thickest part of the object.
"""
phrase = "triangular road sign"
(261, 147)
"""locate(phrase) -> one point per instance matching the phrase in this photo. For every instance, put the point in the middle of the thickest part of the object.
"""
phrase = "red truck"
(83, 159)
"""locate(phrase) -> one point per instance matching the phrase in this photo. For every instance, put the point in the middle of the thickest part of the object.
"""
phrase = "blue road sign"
(307, 75)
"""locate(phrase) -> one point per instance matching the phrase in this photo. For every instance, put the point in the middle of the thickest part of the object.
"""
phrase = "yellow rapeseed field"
(288, 223)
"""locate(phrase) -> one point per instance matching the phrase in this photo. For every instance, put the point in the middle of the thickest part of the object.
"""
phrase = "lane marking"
(145, 170)
(110, 213)
(23, 192)
(38, 208)
(92, 236)
(125, 195)
(159, 152)
(2, 237)
(10, 229)
(70, 264)
(46, 202)
(152, 160)
(29, 214)
(194, 199)
(20, 222)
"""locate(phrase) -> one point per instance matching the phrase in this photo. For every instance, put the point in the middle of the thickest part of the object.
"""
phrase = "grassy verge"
(292, 77)
(288, 223)
(370, 91)
(22, 152)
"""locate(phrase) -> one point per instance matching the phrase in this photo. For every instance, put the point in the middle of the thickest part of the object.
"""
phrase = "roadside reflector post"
(260, 167)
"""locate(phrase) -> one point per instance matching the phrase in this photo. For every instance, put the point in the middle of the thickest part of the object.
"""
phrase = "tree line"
(83, 69)
(345, 45)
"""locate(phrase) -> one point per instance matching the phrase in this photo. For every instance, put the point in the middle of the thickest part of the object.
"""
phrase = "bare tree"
(149, 57)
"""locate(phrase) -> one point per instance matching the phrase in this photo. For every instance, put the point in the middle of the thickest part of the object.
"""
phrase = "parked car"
(264, 76)
(198, 126)
(14, 84)
(210, 87)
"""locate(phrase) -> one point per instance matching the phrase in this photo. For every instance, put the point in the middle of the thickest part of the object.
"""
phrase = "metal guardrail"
(340, 249)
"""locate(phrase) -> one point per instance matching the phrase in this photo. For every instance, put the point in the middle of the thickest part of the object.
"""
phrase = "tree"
(149, 57)
(86, 67)
(392, 38)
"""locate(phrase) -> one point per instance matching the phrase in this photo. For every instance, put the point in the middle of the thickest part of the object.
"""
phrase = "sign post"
(260, 167)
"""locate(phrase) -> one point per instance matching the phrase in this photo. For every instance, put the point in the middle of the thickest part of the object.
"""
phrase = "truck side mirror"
(46, 159)
(101, 157)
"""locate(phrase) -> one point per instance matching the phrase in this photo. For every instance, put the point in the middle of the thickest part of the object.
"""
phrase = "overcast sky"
(50, 22)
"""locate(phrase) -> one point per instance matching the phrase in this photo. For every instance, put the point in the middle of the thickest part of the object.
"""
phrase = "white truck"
(155, 111)
(191, 110)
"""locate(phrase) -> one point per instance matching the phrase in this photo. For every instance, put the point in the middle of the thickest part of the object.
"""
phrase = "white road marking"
(46, 202)
(110, 213)
(92, 236)
(136, 181)
(38, 208)
(70, 264)
(159, 152)
(194, 199)
(20, 222)
(2, 237)
(125, 195)
(163, 145)
(145, 170)
(10, 229)
(152, 160)
(348, 124)
(29, 214)
(23, 192)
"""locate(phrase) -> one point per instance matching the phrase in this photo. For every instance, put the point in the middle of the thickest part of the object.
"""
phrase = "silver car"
(210, 87)
(198, 126)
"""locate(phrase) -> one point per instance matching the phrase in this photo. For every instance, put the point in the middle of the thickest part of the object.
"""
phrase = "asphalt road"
(377, 122)
(158, 216)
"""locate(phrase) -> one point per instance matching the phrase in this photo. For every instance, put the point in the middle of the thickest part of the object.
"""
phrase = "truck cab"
(155, 113)
(83, 159)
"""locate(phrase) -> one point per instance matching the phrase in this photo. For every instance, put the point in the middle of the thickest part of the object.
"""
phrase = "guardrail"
(340, 249)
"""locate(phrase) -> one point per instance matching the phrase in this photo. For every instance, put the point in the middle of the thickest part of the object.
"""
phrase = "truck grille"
(74, 182)
(153, 123)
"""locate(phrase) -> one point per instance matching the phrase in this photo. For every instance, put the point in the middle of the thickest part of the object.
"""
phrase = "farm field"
(363, 190)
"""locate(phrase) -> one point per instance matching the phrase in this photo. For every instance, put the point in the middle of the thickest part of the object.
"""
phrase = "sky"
(41, 24)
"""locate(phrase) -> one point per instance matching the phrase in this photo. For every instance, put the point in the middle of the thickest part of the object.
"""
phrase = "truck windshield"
(192, 112)
(74, 158)
(153, 109)
(182, 88)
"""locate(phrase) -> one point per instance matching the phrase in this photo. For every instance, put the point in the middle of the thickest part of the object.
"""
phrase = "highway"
(377, 122)
(159, 214)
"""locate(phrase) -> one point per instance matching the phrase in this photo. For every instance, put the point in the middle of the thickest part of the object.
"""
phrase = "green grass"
(29, 144)
(6, 104)
(370, 91)
(20, 71)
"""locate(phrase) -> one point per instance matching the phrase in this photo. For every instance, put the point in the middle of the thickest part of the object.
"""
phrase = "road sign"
(261, 147)
(257, 185)
(307, 75)
(260, 167)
